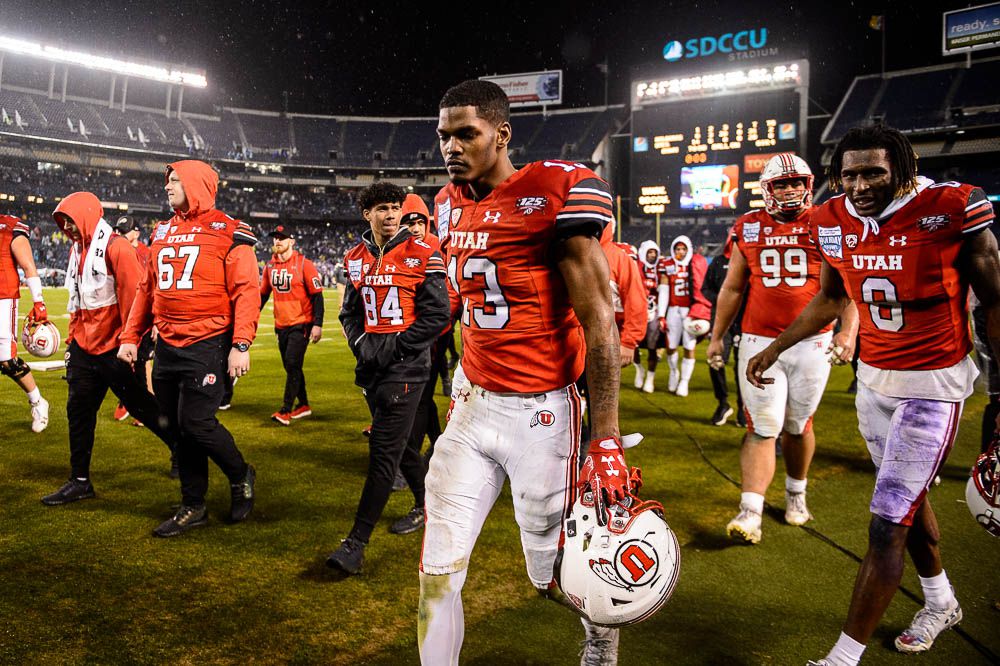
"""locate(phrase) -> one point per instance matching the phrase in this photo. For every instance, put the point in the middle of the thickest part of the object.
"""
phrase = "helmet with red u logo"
(620, 568)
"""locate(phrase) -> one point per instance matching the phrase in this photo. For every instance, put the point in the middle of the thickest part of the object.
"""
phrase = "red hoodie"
(202, 278)
(101, 315)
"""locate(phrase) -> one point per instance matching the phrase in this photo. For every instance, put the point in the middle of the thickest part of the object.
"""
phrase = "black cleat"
(71, 491)
(243, 495)
(409, 523)
(186, 518)
(722, 414)
(348, 557)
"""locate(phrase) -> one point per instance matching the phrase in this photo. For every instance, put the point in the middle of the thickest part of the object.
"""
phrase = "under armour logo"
(798, 230)
(491, 217)
(897, 240)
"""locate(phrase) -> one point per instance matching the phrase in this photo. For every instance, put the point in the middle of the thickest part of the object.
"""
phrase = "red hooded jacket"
(101, 315)
(202, 278)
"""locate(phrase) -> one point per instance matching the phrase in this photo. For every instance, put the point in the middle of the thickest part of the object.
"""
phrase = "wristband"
(35, 287)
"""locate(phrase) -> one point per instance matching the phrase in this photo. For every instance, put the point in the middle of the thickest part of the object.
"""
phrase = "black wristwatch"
(241, 346)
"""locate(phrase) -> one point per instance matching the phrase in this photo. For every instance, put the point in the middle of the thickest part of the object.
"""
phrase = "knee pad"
(15, 368)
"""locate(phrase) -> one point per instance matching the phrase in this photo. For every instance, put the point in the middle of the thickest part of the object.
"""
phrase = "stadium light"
(155, 72)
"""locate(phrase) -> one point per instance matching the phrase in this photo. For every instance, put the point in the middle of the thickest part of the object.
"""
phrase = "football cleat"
(187, 517)
(409, 523)
(284, 418)
(301, 411)
(745, 527)
(40, 415)
(41, 339)
(926, 625)
(647, 384)
(796, 511)
(682, 388)
(621, 567)
(673, 380)
(71, 491)
(600, 647)
(982, 491)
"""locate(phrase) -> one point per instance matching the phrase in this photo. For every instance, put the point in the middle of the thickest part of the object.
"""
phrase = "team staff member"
(202, 292)
(906, 250)
(395, 306)
(298, 317)
(102, 277)
(714, 277)
(15, 251)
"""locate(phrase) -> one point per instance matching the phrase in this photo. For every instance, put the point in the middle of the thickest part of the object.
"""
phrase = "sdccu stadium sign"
(742, 45)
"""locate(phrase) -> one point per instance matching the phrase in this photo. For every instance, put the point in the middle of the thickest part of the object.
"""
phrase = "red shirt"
(294, 283)
(519, 331)
(10, 228)
(784, 265)
(628, 295)
(911, 296)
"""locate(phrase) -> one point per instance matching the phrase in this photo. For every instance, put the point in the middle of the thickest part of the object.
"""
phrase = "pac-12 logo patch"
(456, 215)
(529, 205)
(543, 417)
(851, 241)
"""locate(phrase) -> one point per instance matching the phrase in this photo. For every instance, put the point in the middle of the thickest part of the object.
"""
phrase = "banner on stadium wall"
(531, 88)
(972, 28)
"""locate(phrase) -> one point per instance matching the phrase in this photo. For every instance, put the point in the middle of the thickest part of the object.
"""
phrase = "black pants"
(427, 421)
(393, 406)
(89, 377)
(292, 343)
(189, 387)
(719, 386)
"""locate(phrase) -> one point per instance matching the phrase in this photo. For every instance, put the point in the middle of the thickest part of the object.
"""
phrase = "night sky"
(398, 58)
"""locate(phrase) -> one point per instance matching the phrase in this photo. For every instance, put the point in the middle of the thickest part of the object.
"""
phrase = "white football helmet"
(785, 166)
(982, 492)
(40, 339)
(696, 327)
(619, 570)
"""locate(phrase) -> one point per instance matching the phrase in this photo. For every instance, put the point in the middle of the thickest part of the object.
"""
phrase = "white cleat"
(647, 386)
(682, 389)
(640, 375)
(40, 415)
(674, 380)
(926, 625)
(745, 527)
(796, 511)
(600, 647)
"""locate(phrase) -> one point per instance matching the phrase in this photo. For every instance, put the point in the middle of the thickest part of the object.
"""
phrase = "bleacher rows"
(294, 138)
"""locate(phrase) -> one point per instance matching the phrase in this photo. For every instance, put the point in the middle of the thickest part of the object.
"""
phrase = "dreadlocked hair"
(897, 148)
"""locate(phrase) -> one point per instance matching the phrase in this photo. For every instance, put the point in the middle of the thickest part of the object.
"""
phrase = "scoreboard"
(703, 150)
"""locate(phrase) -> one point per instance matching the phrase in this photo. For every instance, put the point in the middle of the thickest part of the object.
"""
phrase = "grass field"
(86, 583)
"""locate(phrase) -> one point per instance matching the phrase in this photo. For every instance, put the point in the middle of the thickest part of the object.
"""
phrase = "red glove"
(38, 313)
(663, 324)
(605, 471)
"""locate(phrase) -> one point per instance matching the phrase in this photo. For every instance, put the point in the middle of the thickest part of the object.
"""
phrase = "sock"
(687, 369)
(752, 501)
(441, 618)
(34, 395)
(639, 369)
(937, 591)
(795, 486)
(672, 360)
(650, 375)
(847, 651)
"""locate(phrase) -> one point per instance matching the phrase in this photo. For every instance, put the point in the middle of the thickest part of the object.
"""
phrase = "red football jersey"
(142, 252)
(519, 331)
(784, 265)
(388, 283)
(294, 283)
(904, 276)
(10, 228)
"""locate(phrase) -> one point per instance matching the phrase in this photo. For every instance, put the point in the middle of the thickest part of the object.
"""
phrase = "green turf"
(87, 584)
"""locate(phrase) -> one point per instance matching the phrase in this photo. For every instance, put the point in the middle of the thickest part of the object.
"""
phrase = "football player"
(628, 297)
(395, 306)
(524, 257)
(655, 338)
(679, 303)
(906, 250)
(298, 317)
(102, 277)
(774, 254)
(201, 290)
(15, 252)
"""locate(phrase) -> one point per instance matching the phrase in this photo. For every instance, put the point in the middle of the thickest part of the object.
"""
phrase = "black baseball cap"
(127, 223)
(280, 232)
